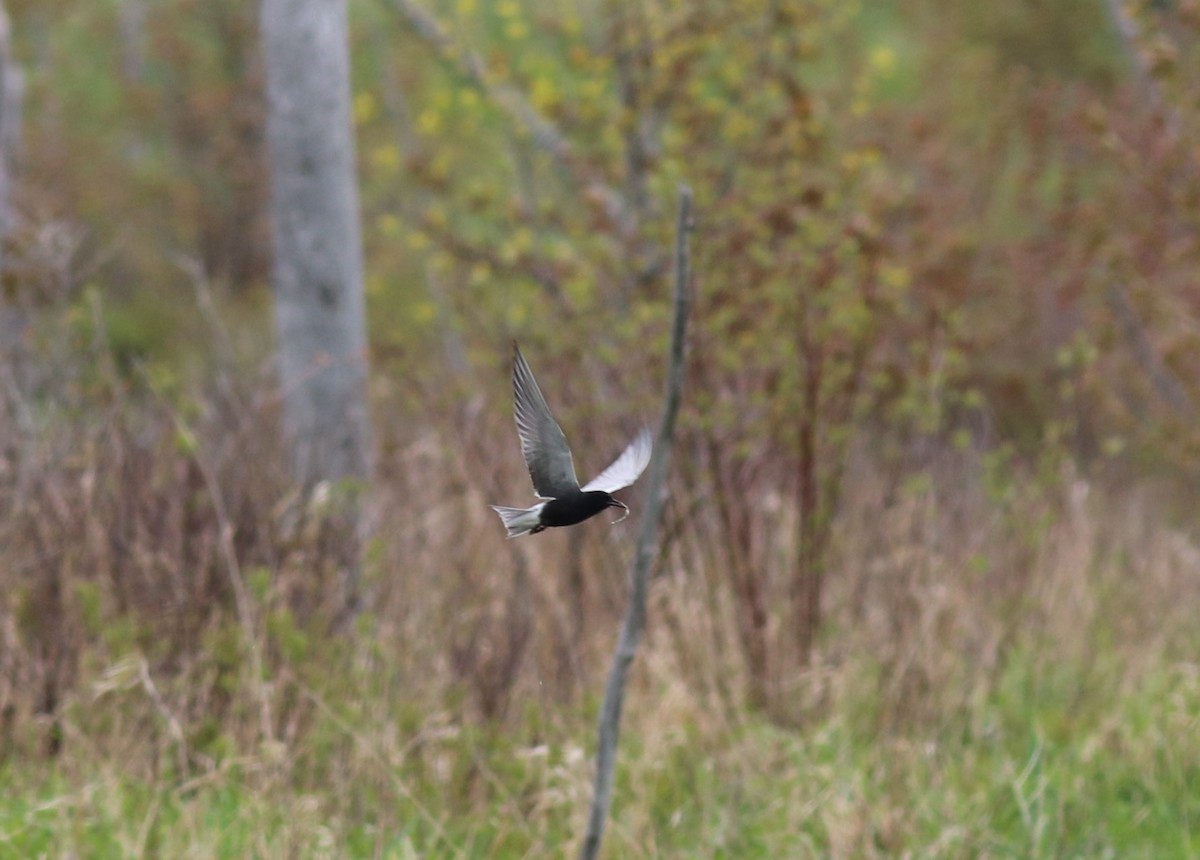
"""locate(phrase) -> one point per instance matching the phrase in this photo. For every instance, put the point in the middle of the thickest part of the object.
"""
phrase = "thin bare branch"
(545, 134)
(1167, 384)
(225, 532)
(608, 732)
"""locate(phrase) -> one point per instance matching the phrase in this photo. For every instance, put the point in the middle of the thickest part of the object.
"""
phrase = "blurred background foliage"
(945, 262)
(967, 183)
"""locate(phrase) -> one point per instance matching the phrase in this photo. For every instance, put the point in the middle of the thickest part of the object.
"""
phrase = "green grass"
(1033, 772)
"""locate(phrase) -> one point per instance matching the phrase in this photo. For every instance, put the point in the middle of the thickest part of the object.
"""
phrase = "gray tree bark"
(13, 320)
(318, 269)
(12, 88)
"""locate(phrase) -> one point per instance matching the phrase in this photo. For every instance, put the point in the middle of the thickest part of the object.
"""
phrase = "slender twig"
(546, 136)
(471, 66)
(1129, 33)
(174, 729)
(608, 731)
(1168, 386)
(225, 532)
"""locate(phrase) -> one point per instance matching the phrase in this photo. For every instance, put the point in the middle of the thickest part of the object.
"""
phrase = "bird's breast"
(575, 508)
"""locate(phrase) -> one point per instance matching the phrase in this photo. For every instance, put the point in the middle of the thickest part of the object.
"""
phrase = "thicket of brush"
(1008, 650)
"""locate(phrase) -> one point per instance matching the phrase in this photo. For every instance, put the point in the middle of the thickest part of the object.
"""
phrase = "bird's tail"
(519, 521)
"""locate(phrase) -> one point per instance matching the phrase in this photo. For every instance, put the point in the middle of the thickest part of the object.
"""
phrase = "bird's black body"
(552, 468)
(575, 508)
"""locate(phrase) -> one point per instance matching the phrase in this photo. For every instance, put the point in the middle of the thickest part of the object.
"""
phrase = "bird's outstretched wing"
(542, 441)
(626, 468)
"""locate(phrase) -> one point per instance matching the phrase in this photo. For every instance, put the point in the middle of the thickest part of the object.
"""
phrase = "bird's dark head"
(616, 503)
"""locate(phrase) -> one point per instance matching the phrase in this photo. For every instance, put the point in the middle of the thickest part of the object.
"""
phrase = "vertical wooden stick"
(608, 731)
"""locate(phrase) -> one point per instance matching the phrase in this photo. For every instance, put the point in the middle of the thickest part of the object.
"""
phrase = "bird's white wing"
(626, 468)
(542, 441)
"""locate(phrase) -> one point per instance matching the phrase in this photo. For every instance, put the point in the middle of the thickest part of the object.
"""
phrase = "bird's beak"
(615, 504)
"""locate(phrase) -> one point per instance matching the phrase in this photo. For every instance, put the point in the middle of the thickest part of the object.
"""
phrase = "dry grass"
(996, 645)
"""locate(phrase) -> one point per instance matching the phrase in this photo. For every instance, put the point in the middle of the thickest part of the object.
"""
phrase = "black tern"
(552, 468)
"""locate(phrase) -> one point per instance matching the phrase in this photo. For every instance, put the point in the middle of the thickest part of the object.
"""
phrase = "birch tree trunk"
(318, 269)
(12, 88)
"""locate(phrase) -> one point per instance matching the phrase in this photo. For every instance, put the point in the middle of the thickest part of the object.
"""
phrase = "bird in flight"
(553, 469)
